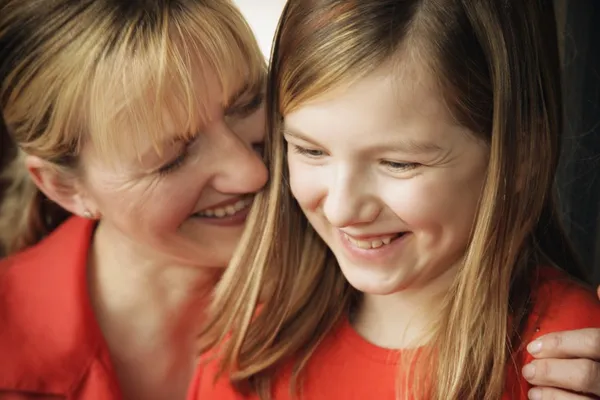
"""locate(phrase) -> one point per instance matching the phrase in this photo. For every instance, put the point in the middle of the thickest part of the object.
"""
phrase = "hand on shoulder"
(566, 364)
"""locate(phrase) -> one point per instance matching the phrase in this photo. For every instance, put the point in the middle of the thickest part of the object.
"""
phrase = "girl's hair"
(77, 72)
(496, 64)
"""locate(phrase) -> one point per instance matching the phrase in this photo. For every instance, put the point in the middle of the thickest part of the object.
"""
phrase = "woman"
(144, 121)
(138, 130)
(413, 148)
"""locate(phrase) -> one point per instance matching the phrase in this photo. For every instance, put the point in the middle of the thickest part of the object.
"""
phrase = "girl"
(410, 243)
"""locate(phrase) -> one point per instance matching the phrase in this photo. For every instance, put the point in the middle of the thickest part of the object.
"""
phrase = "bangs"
(153, 86)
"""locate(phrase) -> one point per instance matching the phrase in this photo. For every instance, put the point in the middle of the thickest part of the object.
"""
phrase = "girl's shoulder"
(559, 303)
(209, 383)
(562, 303)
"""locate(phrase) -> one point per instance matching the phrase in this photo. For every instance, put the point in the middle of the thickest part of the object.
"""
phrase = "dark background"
(579, 175)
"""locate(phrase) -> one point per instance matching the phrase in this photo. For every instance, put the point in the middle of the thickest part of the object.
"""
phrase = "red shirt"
(50, 343)
(346, 366)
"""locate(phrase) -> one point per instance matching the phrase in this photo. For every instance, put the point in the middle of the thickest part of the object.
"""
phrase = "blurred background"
(262, 16)
(579, 176)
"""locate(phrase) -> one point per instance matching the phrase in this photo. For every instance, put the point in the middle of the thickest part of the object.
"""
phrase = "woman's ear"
(58, 186)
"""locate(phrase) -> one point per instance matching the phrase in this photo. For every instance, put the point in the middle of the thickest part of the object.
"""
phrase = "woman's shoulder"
(49, 334)
(33, 280)
(63, 243)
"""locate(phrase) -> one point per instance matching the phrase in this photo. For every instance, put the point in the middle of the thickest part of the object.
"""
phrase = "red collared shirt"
(51, 346)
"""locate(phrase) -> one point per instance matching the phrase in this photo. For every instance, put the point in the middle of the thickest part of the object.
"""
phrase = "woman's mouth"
(233, 214)
(225, 211)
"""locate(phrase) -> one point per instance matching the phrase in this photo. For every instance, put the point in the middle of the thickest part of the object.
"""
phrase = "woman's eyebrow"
(247, 86)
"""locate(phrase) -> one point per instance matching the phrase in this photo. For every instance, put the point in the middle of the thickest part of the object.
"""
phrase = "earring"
(87, 214)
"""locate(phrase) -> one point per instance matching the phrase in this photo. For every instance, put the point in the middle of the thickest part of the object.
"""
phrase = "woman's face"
(388, 180)
(186, 204)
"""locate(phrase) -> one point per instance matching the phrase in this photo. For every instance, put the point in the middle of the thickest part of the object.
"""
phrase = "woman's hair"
(496, 65)
(77, 72)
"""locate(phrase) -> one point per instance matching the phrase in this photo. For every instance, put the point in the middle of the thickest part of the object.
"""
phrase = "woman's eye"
(173, 165)
(176, 163)
(248, 108)
(312, 153)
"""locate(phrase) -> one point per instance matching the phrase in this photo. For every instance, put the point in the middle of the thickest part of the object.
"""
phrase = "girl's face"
(188, 204)
(387, 178)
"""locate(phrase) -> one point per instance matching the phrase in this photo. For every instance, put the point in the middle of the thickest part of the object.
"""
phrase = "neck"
(127, 280)
(147, 308)
(402, 319)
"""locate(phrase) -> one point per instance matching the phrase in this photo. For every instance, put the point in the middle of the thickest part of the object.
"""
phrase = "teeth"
(371, 244)
(227, 211)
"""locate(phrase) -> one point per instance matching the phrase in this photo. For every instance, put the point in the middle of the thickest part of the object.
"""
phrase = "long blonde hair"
(496, 64)
(73, 72)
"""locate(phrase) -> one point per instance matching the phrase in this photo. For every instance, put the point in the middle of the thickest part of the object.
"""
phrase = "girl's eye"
(246, 109)
(312, 153)
(398, 166)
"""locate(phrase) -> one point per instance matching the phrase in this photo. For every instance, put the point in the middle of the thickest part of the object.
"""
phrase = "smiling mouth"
(374, 243)
(226, 211)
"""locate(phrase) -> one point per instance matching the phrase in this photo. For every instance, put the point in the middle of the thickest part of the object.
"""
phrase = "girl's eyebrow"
(298, 135)
(409, 146)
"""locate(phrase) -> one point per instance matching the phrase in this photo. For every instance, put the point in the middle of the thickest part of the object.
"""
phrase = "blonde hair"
(76, 72)
(496, 64)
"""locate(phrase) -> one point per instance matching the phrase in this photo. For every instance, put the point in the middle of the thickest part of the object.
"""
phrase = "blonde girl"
(410, 245)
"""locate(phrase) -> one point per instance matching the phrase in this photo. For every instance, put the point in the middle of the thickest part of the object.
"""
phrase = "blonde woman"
(137, 123)
(410, 243)
(142, 120)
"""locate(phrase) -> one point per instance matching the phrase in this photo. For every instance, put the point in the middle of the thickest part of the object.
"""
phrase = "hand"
(566, 365)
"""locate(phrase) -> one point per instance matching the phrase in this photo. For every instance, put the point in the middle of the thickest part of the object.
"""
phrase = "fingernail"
(529, 371)
(534, 347)
(534, 394)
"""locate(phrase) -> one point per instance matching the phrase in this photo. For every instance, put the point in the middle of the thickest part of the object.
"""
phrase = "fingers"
(583, 343)
(598, 292)
(554, 394)
(579, 375)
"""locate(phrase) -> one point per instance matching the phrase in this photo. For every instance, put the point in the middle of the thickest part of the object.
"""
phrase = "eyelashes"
(312, 153)
(393, 166)
(180, 160)
(240, 111)
(248, 108)
(175, 164)
(399, 166)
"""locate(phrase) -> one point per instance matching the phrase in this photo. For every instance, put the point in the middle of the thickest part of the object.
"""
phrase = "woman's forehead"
(178, 109)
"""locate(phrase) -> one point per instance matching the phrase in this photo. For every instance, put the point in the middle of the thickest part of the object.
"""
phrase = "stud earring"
(87, 214)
